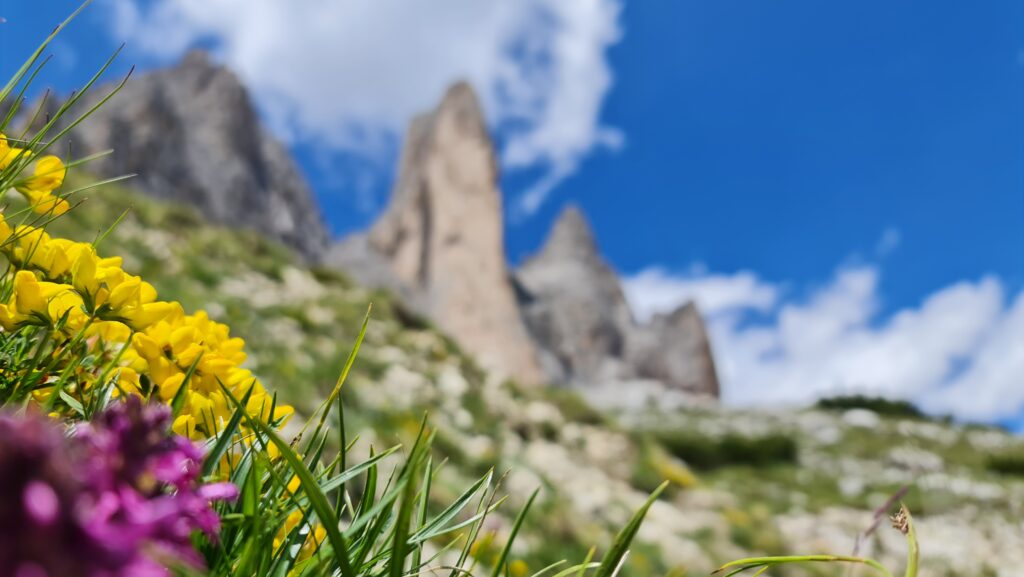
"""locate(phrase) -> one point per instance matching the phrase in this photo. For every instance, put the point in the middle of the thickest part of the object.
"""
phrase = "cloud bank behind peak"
(350, 75)
(957, 352)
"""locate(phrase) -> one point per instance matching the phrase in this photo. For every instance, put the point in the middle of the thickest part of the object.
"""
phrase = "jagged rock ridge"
(442, 237)
(575, 308)
(561, 317)
(191, 134)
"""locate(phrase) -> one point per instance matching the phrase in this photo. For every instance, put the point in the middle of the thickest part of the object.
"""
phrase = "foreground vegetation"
(356, 482)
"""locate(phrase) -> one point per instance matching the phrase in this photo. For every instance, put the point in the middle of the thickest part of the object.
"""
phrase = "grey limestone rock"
(190, 134)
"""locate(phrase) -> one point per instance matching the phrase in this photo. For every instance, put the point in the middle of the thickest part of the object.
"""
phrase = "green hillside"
(743, 482)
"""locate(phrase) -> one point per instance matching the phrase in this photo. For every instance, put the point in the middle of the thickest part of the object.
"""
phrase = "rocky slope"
(801, 481)
(743, 482)
(190, 134)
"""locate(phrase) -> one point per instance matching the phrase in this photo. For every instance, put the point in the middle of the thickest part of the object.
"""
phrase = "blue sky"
(839, 185)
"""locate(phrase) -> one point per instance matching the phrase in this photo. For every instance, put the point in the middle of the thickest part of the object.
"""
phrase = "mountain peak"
(196, 59)
(462, 97)
(575, 308)
(192, 134)
(571, 236)
(442, 235)
(198, 73)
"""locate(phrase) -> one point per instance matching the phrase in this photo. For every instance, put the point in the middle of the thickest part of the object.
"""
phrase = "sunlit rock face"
(443, 236)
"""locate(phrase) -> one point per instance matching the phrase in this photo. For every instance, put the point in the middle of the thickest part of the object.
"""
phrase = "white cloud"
(993, 385)
(957, 352)
(351, 74)
(656, 290)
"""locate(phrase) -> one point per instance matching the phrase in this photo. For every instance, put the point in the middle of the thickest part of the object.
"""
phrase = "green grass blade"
(342, 456)
(578, 570)
(421, 521)
(611, 561)
(357, 470)
(499, 565)
(904, 521)
(16, 79)
(400, 545)
(317, 499)
(482, 509)
(179, 396)
(325, 407)
(431, 530)
(752, 562)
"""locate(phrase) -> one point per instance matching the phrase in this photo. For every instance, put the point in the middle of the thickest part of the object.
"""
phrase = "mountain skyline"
(917, 293)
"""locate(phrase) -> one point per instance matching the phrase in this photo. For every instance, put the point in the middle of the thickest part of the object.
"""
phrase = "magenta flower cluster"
(116, 497)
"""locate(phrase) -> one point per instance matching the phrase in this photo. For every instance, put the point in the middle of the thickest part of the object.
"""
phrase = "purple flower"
(117, 497)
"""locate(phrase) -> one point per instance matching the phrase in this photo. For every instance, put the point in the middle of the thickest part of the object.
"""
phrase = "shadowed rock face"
(443, 236)
(574, 306)
(190, 134)
(675, 350)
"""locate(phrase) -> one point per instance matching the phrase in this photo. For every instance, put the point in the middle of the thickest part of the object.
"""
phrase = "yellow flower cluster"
(48, 175)
(313, 539)
(66, 287)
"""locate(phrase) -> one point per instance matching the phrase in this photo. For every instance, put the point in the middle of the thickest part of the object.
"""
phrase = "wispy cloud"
(351, 74)
(889, 241)
(956, 352)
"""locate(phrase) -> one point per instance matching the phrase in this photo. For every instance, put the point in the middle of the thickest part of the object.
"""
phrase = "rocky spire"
(443, 235)
(575, 308)
(675, 349)
(573, 303)
(190, 133)
(571, 238)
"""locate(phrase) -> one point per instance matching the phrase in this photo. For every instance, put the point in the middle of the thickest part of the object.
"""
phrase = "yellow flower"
(170, 386)
(45, 203)
(127, 381)
(5, 229)
(55, 256)
(27, 249)
(125, 293)
(145, 315)
(156, 340)
(112, 332)
(36, 301)
(66, 302)
(8, 153)
(30, 296)
(48, 176)
(185, 425)
(313, 538)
